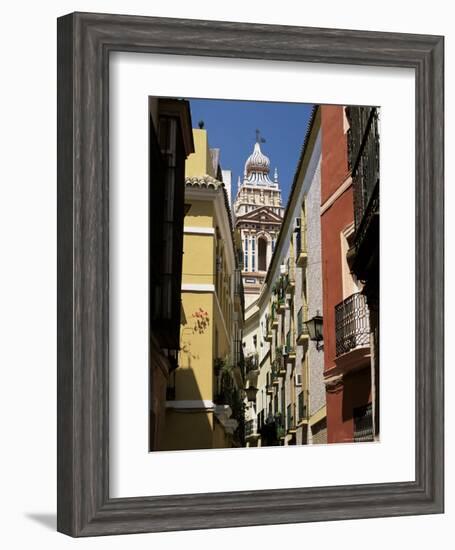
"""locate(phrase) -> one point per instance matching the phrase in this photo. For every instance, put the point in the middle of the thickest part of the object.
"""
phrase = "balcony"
(281, 303)
(366, 241)
(290, 345)
(363, 156)
(279, 291)
(363, 152)
(274, 315)
(251, 367)
(289, 278)
(279, 363)
(352, 325)
(290, 419)
(251, 430)
(302, 409)
(301, 253)
(238, 363)
(268, 330)
(251, 363)
(280, 426)
(275, 376)
(302, 329)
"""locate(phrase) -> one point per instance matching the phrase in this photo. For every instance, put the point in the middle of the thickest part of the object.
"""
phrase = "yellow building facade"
(204, 408)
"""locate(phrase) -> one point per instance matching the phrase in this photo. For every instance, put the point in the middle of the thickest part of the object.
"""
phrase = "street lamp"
(251, 394)
(315, 332)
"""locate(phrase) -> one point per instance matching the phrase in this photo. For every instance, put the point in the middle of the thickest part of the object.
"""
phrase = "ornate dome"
(257, 162)
(257, 168)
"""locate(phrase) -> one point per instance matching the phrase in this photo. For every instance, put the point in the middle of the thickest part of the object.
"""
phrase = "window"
(262, 254)
(350, 283)
(253, 253)
(245, 250)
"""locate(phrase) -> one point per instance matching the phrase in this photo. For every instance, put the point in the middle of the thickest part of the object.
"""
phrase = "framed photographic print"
(250, 285)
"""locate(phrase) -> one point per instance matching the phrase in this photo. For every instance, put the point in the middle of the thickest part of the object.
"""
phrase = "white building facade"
(283, 364)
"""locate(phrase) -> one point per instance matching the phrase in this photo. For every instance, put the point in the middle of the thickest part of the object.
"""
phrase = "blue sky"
(231, 126)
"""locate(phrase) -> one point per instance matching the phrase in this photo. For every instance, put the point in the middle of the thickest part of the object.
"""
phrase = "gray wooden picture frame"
(84, 43)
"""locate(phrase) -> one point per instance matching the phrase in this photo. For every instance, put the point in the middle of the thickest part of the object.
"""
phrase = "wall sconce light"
(315, 331)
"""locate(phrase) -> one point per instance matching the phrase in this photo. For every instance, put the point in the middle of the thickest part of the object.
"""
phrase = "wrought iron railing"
(280, 423)
(278, 353)
(368, 215)
(273, 312)
(251, 427)
(302, 318)
(302, 406)
(225, 388)
(280, 287)
(363, 157)
(290, 344)
(277, 362)
(275, 372)
(290, 416)
(352, 325)
(251, 362)
(239, 359)
(363, 423)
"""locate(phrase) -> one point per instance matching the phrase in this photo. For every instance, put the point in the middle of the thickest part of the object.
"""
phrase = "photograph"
(263, 274)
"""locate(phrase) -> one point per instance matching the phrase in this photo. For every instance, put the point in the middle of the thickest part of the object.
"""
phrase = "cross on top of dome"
(257, 162)
(257, 166)
(259, 139)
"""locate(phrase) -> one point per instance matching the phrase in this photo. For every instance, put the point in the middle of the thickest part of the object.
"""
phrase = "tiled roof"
(203, 182)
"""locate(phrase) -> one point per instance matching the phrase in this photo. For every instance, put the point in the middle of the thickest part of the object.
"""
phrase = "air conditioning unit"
(298, 379)
(297, 224)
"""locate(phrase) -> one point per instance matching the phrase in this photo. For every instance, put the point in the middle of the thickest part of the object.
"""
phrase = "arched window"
(253, 253)
(262, 254)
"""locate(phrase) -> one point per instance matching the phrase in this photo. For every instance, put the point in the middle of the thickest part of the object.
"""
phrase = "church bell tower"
(258, 214)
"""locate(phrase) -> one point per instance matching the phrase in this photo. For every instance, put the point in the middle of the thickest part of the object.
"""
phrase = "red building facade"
(347, 357)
